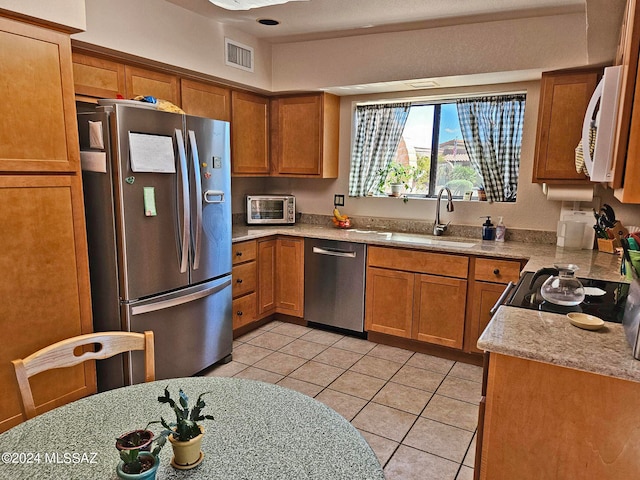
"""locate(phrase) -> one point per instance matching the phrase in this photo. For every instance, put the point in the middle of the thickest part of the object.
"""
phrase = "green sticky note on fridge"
(150, 202)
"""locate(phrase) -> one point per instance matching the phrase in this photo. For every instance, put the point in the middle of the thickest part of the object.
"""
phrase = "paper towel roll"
(581, 193)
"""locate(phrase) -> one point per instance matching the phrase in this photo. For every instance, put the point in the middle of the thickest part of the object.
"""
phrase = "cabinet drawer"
(497, 271)
(421, 262)
(244, 251)
(243, 279)
(244, 310)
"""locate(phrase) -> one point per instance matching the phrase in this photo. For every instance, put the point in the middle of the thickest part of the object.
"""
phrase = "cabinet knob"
(496, 271)
(238, 254)
(239, 313)
(239, 280)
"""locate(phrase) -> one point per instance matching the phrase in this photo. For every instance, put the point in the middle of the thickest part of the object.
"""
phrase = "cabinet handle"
(238, 254)
(496, 271)
(239, 280)
(239, 313)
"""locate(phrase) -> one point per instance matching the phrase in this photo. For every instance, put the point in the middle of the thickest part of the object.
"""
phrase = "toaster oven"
(270, 209)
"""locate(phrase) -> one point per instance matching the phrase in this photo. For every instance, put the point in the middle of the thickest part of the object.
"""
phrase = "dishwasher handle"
(334, 253)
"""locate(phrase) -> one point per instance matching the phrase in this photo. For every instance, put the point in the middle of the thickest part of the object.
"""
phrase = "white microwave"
(270, 209)
(601, 116)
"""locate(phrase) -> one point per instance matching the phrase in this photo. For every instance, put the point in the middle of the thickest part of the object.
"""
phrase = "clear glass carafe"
(563, 288)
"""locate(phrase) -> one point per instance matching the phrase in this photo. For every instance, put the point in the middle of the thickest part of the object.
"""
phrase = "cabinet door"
(298, 133)
(439, 308)
(564, 97)
(249, 134)
(205, 100)
(305, 135)
(44, 286)
(97, 77)
(146, 82)
(485, 296)
(244, 310)
(290, 276)
(38, 129)
(266, 276)
(389, 302)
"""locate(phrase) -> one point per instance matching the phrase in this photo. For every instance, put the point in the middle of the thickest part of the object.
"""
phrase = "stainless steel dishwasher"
(334, 283)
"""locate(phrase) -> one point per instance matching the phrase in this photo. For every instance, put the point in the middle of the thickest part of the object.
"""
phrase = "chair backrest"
(61, 354)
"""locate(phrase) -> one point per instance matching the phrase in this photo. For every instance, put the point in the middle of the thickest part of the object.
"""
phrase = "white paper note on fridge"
(151, 153)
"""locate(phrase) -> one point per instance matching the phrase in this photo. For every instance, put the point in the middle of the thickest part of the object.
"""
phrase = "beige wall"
(166, 33)
(68, 13)
(542, 43)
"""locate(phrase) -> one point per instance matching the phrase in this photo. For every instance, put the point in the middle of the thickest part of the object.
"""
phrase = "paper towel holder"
(571, 193)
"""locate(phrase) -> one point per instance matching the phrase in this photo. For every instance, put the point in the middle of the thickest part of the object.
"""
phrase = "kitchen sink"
(424, 240)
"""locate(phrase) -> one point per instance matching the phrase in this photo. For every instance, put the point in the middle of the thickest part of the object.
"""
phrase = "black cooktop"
(608, 306)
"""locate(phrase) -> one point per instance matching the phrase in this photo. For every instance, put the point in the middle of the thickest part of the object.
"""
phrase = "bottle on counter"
(501, 231)
(488, 230)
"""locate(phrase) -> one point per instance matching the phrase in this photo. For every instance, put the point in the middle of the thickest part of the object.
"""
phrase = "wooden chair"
(61, 354)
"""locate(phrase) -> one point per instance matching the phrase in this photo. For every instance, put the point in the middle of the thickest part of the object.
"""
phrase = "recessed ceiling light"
(424, 84)
(249, 4)
(268, 21)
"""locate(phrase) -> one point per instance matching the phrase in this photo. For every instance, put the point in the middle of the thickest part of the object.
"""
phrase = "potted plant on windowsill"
(185, 434)
(397, 176)
(137, 460)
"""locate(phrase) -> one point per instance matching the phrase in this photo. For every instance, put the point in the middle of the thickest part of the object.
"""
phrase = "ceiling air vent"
(238, 55)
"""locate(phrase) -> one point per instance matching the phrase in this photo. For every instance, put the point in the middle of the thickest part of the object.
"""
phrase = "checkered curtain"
(378, 132)
(492, 133)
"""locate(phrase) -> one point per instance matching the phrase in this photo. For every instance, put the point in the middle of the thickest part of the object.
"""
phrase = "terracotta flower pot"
(187, 454)
(145, 475)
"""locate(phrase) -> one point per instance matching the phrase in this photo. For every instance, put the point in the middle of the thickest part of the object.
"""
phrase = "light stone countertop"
(529, 334)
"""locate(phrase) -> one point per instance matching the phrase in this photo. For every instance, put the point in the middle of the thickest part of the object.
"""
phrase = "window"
(429, 151)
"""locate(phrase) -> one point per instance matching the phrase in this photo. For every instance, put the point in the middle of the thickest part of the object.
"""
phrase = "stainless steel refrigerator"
(157, 203)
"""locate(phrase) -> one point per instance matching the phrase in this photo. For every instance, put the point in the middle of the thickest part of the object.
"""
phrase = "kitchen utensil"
(609, 215)
(617, 231)
(633, 244)
(585, 321)
(562, 287)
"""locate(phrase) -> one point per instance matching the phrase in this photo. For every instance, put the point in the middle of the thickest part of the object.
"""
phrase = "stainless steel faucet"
(439, 228)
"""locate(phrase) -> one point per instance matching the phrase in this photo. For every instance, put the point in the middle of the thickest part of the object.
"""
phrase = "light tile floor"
(418, 412)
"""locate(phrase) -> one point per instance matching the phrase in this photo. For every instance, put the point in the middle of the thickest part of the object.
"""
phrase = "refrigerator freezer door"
(152, 251)
(192, 329)
(210, 176)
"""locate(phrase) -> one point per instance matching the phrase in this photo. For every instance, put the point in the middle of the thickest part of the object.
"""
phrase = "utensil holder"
(607, 245)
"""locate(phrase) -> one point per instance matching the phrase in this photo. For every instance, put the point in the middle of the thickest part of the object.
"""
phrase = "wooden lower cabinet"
(485, 295)
(543, 421)
(290, 276)
(44, 286)
(244, 283)
(244, 310)
(389, 302)
(266, 276)
(439, 308)
(412, 304)
(281, 276)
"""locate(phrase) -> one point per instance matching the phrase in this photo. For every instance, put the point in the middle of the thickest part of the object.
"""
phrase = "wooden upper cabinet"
(38, 130)
(97, 77)
(249, 134)
(206, 100)
(139, 81)
(305, 133)
(564, 96)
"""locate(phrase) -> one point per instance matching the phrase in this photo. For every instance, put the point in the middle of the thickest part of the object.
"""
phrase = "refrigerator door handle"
(186, 210)
(198, 186)
(162, 304)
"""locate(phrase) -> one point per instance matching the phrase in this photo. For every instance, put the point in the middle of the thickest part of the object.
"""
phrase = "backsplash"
(425, 227)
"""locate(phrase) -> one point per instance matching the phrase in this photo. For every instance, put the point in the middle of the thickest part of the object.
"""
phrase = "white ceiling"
(315, 19)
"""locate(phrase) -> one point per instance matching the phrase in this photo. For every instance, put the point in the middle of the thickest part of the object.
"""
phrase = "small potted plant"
(397, 176)
(137, 460)
(185, 434)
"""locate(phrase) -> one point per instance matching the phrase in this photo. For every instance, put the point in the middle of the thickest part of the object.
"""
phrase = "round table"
(261, 431)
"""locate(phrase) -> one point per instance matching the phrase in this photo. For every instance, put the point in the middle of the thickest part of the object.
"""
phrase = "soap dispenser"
(501, 230)
(488, 230)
